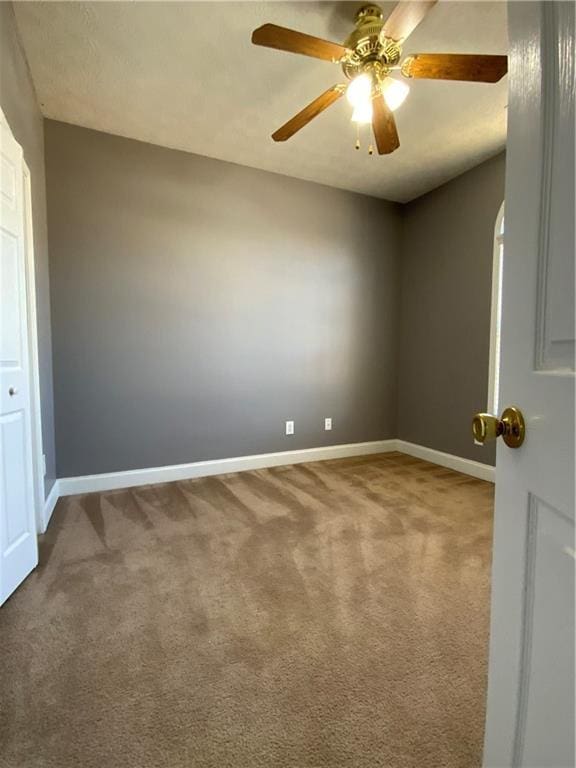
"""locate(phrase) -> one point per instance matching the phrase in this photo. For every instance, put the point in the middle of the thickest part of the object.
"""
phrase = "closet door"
(18, 543)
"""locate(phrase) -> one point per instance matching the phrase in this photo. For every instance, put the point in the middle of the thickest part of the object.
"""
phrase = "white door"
(530, 710)
(18, 545)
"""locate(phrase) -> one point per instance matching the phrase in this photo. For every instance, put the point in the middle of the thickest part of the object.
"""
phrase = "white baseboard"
(457, 463)
(134, 477)
(49, 504)
(68, 486)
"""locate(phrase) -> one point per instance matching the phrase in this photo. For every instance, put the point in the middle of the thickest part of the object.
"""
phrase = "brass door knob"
(510, 427)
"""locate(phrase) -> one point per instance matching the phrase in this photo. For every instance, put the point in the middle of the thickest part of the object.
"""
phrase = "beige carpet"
(323, 615)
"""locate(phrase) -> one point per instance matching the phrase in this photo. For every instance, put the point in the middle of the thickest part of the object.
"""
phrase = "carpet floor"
(324, 615)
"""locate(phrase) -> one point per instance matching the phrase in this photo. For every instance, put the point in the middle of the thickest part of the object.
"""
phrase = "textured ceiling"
(185, 75)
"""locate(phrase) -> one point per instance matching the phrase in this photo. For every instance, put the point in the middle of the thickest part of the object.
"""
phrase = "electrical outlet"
(327, 424)
(289, 427)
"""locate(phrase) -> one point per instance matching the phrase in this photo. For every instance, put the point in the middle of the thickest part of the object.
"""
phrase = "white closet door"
(18, 543)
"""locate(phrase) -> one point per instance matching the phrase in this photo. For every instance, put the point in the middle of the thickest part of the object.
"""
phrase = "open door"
(18, 543)
(530, 709)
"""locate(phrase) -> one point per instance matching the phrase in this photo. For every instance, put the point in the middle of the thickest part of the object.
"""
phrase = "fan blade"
(384, 127)
(285, 39)
(456, 66)
(405, 18)
(308, 113)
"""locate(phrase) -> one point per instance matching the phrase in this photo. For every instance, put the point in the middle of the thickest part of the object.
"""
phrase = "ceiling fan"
(368, 57)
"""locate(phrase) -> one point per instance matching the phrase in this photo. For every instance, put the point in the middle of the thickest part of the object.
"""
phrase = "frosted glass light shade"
(359, 90)
(395, 92)
(362, 113)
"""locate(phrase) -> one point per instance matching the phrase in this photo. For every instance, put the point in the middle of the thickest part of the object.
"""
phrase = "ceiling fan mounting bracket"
(371, 12)
(367, 45)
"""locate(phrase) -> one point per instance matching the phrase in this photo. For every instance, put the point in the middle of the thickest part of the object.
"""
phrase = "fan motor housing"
(367, 46)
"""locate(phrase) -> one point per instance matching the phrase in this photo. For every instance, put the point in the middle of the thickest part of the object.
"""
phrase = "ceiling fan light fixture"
(359, 91)
(359, 95)
(395, 92)
(362, 113)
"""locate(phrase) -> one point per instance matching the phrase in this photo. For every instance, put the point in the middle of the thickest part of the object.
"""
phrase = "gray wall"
(18, 101)
(446, 278)
(197, 305)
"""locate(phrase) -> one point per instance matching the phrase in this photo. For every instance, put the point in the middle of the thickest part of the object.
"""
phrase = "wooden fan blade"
(456, 66)
(405, 18)
(285, 39)
(384, 127)
(308, 113)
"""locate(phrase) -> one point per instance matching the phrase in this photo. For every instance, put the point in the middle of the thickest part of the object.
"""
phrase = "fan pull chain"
(357, 144)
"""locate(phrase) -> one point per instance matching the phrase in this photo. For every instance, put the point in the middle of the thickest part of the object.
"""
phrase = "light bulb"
(362, 113)
(394, 92)
(359, 91)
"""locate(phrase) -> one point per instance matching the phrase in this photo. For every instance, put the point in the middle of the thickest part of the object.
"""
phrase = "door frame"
(37, 447)
(32, 330)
